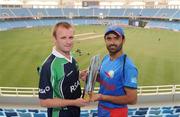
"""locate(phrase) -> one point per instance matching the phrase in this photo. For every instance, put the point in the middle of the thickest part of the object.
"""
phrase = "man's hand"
(83, 75)
(81, 102)
(96, 97)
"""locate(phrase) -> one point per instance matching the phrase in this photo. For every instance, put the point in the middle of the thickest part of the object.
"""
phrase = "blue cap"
(116, 29)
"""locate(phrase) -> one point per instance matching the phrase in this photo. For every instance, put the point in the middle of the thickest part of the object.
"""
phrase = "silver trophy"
(91, 78)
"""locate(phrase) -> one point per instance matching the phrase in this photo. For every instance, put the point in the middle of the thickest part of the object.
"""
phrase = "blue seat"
(167, 111)
(85, 111)
(155, 112)
(138, 116)
(144, 108)
(9, 110)
(177, 110)
(132, 109)
(155, 108)
(94, 115)
(84, 114)
(173, 115)
(166, 107)
(43, 111)
(1, 109)
(141, 112)
(33, 110)
(39, 115)
(21, 110)
(176, 107)
(10, 114)
(155, 116)
(25, 114)
(130, 113)
(93, 111)
(1, 113)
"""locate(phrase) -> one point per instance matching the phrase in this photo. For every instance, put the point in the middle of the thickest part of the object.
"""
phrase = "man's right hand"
(81, 102)
(83, 75)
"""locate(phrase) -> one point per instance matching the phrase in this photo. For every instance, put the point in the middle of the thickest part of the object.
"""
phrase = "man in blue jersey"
(117, 77)
(59, 86)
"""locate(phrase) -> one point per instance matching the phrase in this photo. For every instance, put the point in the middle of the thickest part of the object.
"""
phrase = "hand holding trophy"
(91, 78)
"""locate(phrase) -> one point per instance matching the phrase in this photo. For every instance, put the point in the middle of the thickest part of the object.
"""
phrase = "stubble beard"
(116, 50)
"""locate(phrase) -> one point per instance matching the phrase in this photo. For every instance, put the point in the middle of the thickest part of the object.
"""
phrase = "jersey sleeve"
(45, 88)
(131, 74)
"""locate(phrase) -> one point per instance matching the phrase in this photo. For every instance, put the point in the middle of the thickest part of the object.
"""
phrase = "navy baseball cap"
(117, 29)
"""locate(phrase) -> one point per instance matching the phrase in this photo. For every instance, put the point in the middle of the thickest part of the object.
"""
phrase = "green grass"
(22, 50)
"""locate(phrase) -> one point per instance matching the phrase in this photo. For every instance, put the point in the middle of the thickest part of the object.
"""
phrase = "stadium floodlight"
(101, 16)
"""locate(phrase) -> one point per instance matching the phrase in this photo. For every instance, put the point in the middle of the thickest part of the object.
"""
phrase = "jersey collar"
(59, 55)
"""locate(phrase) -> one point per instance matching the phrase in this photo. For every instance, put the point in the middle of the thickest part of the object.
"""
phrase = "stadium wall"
(145, 99)
(146, 94)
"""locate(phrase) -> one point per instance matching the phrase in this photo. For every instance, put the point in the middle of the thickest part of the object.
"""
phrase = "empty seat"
(155, 116)
(143, 112)
(1, 109)
(94, 115)
(25, 114)
(93, 111)
(144, 108)
(33, 110)
(132, 109)
(173, 115)
(155, 108)
(130, 113)
(167, 111)
(21, 110)
(10, 114)
(138, 116)
(39, 115)
(176, 107)
(154, 112)
(43, 111)
(177, 110)
(84, 111)
(84, 114)
(9, 110)
(166, 107)
(1, 113)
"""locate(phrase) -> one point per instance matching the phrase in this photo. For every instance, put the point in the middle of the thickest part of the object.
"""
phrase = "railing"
(142, 90)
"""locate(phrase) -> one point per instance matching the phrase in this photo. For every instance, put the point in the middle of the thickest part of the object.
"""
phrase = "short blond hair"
(61, 24)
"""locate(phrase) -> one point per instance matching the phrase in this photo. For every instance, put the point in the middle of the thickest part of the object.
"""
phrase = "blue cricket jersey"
(112, 81)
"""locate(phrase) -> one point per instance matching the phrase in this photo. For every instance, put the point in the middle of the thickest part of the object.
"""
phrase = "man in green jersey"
(59, 86)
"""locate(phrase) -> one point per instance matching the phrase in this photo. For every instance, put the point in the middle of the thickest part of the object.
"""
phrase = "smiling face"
(63, 39)
(114, 43)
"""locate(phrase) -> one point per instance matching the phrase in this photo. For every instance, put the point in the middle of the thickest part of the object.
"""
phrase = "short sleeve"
(45, 88)
(131, 74)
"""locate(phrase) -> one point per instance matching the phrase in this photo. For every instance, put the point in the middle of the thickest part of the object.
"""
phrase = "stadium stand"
(47, 17)
(162, 111)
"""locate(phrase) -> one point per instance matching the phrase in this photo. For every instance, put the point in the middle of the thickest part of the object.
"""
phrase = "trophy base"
(87, 96)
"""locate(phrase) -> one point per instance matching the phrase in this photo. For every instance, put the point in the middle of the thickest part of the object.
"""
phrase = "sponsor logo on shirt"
(74, 86)
(43, 91)
(69, 73)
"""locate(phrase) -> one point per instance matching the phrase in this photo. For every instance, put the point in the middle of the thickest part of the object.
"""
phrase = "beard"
(113, 49)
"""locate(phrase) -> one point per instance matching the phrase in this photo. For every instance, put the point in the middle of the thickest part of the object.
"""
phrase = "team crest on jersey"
(134, 80)
(110, 74)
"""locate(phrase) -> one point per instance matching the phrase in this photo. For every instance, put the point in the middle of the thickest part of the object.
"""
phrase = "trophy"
(91, 78)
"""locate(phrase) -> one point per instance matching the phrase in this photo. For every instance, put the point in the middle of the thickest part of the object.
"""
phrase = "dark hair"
(61, 24)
